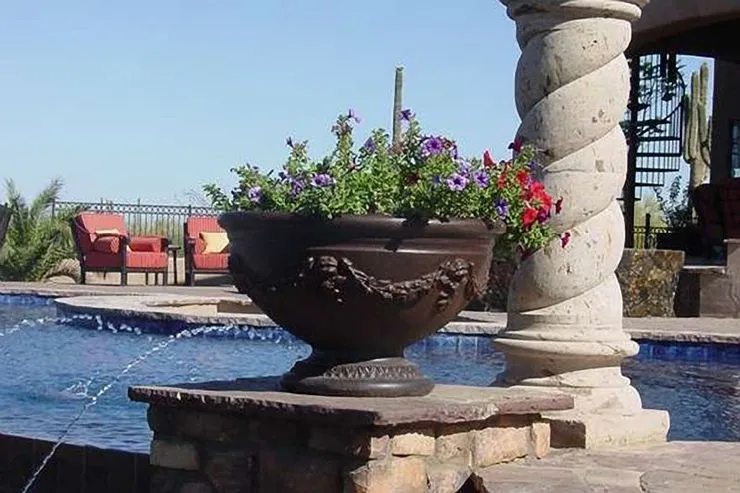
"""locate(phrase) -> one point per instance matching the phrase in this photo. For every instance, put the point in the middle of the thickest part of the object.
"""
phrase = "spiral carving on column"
(572, 87)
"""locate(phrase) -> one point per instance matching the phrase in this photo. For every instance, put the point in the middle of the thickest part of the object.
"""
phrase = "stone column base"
(247, 436)
(607, 429)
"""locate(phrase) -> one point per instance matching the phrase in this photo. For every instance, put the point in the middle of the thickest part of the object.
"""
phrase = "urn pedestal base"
(324, 373)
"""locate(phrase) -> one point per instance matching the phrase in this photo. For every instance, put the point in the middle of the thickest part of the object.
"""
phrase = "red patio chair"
(197, 231)
(103, 245)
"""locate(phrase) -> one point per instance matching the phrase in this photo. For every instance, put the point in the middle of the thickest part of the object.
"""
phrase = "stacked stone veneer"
(205, 452)
(210, 441)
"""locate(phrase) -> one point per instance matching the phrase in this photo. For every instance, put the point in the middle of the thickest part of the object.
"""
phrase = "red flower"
(523, 178)
(529, 216)
(488, 161)
(565, 239)
(559, 205)
(516, 146)
(536, 192)
(502, 179)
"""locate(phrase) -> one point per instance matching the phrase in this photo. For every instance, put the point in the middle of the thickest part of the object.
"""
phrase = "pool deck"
(696, 330)
(676, 467)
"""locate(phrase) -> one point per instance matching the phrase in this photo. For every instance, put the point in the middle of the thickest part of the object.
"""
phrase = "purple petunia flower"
(353, 116)
(406, 115)
(289, 142)
(502, 208)
(532, 165)
(457, 182)
(463, 167)
(543, 215)
(431, 146)
(369, 145)
(481, 179)
(453, 151)
(255, 194)
(295, 185)
(322, 180)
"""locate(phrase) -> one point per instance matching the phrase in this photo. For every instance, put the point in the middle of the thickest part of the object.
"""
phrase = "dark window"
(735, 149)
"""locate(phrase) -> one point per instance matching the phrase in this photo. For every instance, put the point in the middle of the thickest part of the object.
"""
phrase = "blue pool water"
(50, 370)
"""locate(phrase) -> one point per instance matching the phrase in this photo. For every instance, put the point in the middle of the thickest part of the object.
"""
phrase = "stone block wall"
(649, 281)
(204, 452)
(72, 469)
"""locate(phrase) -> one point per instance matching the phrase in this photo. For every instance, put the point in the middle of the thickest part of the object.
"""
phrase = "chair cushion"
(197, 224)
(106, 244)
(211, 261)
(215, 242)
(87, 223)
(134, 260)
(146, 244)
(147, 260)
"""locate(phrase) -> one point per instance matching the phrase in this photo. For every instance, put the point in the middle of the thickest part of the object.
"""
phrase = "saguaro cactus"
(397, 106)
(698, 127)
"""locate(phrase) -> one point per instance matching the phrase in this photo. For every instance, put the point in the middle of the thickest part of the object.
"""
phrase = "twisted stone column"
(564, 327)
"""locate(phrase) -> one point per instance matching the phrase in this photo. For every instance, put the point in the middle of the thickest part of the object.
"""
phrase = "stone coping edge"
(261, 397)
(715, 331)
(152, 307)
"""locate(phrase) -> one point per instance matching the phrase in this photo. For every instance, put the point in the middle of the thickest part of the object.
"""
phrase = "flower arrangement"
(421, 177)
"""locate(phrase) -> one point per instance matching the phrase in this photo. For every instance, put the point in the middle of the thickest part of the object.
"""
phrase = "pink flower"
(488, 161)
(516, 146)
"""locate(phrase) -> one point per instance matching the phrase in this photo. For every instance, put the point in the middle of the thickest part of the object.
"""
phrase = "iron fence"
(145, 219)
(647, 236)
(167, 220)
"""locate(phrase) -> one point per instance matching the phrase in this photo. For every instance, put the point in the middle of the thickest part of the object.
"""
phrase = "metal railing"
(145, 219)
(647, 236)
(167, 220)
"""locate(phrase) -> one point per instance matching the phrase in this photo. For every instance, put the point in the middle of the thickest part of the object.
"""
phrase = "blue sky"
(149, 100)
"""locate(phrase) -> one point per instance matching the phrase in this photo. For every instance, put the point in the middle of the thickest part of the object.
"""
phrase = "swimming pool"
(51, 369)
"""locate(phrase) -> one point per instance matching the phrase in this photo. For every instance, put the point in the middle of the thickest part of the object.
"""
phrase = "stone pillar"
(564, 328)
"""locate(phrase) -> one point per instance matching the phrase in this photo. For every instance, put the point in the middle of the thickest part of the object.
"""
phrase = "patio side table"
(173, 249)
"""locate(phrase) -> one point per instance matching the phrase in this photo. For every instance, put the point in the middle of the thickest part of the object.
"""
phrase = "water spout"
(161, 346)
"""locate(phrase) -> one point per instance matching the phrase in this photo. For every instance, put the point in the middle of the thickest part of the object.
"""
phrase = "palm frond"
(45, 199)
(36, 242)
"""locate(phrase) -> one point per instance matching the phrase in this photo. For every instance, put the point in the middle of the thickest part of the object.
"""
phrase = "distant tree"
(675, 206)
(36, 241)
(649, 205)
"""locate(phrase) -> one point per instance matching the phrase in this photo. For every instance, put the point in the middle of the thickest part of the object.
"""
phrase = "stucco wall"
(726, 108)
(661, 15)
(699, 27)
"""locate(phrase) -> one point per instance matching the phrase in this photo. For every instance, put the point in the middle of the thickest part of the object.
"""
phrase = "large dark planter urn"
(358, 289)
